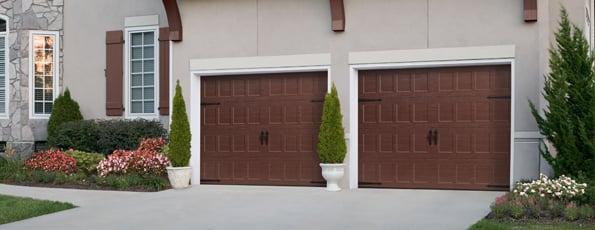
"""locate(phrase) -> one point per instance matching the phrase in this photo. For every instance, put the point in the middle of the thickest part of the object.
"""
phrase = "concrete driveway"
(250, 207)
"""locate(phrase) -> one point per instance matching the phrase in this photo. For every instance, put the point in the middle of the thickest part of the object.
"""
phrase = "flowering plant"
(145, 160)
(52, 161)
(563, 188)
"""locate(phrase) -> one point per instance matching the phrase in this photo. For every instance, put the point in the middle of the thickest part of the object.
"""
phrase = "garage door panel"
(467, 110)
(236, 112)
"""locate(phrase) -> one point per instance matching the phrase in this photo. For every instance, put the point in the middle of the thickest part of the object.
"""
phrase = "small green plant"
(86, 162)
(180, 136)
(517, 211)
(331, 138)
(501, 211)
(586, 212)
(571, 213)
(65, 109)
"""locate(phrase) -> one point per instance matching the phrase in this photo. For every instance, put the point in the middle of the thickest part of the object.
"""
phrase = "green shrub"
(126, 134)
(79, 135)
(568, 122)
(586, 212)
(571, 213)
(516, 210)
(501, 211)
(86, 162)
(557, 209)
(12, 169)
(132, 181)
(65, 109)
(106, 136)
(331, 138)
(180, 136)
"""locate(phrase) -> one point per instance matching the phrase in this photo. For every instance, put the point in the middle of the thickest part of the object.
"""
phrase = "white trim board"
(148, 20)
(195, 100)
(353, 177)
(484, 53)
(260, 62)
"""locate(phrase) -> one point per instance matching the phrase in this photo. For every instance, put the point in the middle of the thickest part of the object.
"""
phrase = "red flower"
(52, 161)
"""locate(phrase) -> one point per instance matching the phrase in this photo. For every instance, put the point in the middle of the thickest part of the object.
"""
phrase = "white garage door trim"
(238, 66)
(423, 58)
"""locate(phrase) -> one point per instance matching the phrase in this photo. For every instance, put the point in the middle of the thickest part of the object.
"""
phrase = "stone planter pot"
(332, 173)
(179, 177)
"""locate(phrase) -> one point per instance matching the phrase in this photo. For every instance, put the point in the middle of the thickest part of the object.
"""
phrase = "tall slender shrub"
(568, 122)
(179, 134)
(65, 109)
(331, 138)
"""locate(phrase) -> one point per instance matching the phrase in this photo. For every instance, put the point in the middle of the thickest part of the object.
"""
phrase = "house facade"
(434, 93)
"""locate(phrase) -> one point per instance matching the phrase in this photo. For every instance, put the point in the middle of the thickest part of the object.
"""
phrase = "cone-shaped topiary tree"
(179, 134)
(331, 138)
(65, 109)
(568, 122)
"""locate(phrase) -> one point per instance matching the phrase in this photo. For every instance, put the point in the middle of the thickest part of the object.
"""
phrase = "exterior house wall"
(19, 130)
(86, 22)
(243, 28)
(249, 28)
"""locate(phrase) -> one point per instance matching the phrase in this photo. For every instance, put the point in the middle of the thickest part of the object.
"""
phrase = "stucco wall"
(85, 24)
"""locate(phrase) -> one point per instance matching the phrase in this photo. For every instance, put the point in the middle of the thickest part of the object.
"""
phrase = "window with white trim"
(142, 65)
(44, 72)
(3, 67)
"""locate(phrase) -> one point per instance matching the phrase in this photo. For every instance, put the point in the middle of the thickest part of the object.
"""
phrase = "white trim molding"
(238, 66)
(260, 62)
(56, 77)
(422, 58)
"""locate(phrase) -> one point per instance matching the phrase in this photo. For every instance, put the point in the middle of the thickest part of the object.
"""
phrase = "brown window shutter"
(114, 73)
(164, 71)
(530, 10)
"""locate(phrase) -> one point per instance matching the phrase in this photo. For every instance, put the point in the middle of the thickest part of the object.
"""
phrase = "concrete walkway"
(250, 207)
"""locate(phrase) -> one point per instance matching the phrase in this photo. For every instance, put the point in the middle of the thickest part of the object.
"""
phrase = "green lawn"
(16, 208)
(495, 225)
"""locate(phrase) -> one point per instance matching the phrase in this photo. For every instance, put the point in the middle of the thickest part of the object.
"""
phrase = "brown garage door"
(446, 128)
(261, 129)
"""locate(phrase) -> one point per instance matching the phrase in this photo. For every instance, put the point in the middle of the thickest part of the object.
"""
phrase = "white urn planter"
(332, 173)
(179, 177)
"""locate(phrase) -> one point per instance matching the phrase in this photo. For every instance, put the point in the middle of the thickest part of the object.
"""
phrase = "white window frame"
(56, 77)
(127, 90)
(6, 66)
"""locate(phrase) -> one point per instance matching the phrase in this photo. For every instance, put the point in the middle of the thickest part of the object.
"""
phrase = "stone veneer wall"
(26, 15)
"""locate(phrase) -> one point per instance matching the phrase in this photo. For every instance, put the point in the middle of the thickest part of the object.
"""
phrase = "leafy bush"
(126, 182)
(331, 138)
(564, 188)
(586, 212)
(79, 135)
(568, 122)
(180, 136)
(65, 109)
(571, 213)
(126, 134)
(145, 160)
(52, 161)
(86, 162)
(106, 136)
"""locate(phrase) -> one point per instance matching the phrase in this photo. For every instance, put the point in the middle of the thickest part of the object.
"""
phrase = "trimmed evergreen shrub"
(331, 138)
(568, 122)
(179, 134)
(79, 135)
(126, 134)
(106, 136)
(65, 109)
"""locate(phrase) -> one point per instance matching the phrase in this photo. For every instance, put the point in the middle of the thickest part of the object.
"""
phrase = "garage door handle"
(429, 137)
(435, 137)
(261, 137)
(266, 137)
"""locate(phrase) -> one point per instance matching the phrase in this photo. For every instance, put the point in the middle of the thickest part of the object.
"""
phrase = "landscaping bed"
(489, 224)
(142, 169)
(16, 208)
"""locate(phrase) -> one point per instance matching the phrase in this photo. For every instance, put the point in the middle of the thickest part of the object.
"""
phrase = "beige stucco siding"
(85, 24)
